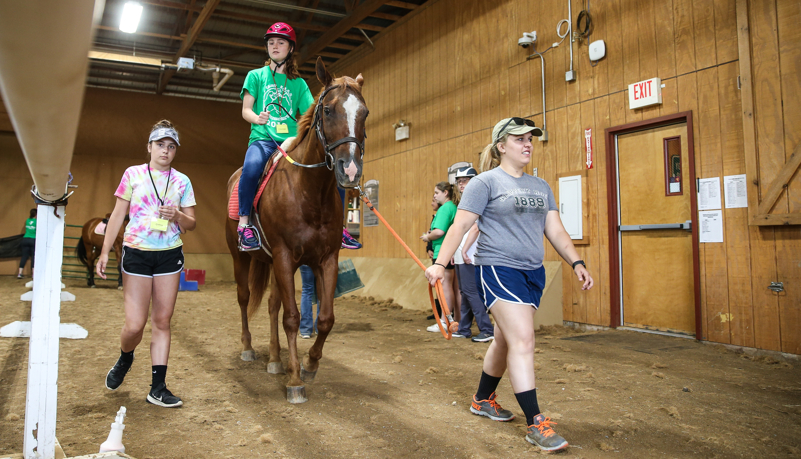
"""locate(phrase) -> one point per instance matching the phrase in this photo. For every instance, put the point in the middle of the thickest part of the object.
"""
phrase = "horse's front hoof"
(92, 286)
(296, 394)
(119, 287)
(307, 376)
(275, 368)
(248, 356)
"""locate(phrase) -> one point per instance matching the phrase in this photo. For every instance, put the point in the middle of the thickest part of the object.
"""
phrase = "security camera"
(527, 39)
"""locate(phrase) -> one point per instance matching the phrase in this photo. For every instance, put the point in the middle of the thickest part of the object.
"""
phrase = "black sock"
(486, 386)
(528, 403)
(159, 373)
(126, 357)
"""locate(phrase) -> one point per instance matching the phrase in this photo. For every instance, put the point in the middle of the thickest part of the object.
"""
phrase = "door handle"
(660, 226)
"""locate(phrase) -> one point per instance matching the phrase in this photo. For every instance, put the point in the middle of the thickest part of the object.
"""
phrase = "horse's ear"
(360, 80)
(322, 74)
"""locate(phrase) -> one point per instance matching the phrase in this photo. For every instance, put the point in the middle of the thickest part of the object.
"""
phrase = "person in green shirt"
(273, 98)
(443, 194)
(28, 243)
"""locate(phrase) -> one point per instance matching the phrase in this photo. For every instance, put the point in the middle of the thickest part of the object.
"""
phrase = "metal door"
(655, 230)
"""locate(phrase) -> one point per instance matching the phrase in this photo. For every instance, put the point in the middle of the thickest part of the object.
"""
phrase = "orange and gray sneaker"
(541, 434)
(491, 409)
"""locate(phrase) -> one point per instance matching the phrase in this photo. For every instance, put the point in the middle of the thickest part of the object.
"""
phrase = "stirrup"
(258, 240)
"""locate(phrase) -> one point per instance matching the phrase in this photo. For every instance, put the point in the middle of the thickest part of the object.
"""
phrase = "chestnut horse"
(90, 245)
(299, 218)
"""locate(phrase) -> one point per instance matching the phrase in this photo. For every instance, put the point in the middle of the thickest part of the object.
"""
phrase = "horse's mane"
(305, 121)
(304, 125)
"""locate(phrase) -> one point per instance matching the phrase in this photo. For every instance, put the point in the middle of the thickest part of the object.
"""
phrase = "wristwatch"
(578, 262)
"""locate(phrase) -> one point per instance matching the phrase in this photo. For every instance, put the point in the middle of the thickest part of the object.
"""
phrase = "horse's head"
(339, 120)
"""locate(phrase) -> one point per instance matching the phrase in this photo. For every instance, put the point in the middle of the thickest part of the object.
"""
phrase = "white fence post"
(40, 406)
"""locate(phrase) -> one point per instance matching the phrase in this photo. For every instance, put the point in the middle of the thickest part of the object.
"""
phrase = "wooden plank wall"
(454, 69)
(213, 138)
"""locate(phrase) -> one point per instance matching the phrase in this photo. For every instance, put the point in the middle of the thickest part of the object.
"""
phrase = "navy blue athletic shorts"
(150, 263)
(518, 286)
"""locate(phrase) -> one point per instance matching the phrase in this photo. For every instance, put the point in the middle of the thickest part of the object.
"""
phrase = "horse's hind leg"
(326, 277)
(275, 366)
(241, 272)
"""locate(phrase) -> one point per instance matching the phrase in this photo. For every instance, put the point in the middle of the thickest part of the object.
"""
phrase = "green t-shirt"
(443, 221)
(294, 95)
(30, 228)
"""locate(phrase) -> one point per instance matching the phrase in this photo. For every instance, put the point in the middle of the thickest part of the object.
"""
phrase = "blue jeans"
(307, 292)
(472, 306)
(257, 156)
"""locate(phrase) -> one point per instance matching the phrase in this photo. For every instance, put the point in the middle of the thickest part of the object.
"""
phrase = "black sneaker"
(116, 375)
(162, 396)
(482, 338)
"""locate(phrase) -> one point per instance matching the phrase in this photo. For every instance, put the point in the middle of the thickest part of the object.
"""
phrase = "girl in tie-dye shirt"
(160, 202)
(137, 188)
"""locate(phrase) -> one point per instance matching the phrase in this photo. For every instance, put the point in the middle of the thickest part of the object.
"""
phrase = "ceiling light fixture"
(131, 13)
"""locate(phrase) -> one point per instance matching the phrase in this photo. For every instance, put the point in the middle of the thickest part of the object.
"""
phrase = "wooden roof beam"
(144, 34)
(352, 20)
(302, 34)
(190, 8)
(342, 46)
(220, 13)
(389, 17)
(404, 5)
(190, 39)
(370, 27)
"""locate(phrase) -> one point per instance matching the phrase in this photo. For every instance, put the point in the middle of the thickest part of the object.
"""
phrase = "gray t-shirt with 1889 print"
(512, 218)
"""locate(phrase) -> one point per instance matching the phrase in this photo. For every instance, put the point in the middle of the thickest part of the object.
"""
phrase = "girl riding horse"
(302, 224)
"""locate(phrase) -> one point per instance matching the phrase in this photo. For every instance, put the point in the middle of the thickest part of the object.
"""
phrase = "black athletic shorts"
(149, 263)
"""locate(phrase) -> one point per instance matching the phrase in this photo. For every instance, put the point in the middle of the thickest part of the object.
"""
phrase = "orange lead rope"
(451, 326)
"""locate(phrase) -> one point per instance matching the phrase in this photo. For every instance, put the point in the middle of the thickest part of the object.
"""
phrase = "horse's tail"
(80, 252)
(258, 280)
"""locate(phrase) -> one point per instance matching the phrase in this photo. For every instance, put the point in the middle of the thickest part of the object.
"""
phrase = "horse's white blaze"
(351, 107)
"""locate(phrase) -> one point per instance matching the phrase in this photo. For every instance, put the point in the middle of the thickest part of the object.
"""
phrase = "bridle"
(317, 121)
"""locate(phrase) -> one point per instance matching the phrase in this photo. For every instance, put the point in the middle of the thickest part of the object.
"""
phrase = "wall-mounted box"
(573, 208)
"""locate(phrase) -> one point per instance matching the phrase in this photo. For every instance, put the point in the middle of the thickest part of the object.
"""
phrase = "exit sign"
(645, 93)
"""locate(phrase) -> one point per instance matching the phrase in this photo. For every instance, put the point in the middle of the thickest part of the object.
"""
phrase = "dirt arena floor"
(388, 389)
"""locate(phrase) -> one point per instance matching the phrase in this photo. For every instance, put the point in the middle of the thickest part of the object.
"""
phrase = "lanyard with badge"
(159, 224)
(280, 128)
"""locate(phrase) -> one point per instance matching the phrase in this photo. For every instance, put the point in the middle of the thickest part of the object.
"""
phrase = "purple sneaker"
(248, 238)
(348, 242)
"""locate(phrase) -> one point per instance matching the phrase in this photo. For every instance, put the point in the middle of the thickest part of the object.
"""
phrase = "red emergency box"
(198, 275)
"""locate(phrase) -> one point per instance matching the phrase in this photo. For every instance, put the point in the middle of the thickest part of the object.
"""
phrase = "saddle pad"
(233, 200)
(100, 228)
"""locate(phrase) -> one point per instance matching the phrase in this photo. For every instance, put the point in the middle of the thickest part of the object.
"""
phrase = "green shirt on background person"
(30, 228)
(443, 221)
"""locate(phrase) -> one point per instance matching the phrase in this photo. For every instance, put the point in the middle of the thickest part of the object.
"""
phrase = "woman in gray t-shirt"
(514, 211)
